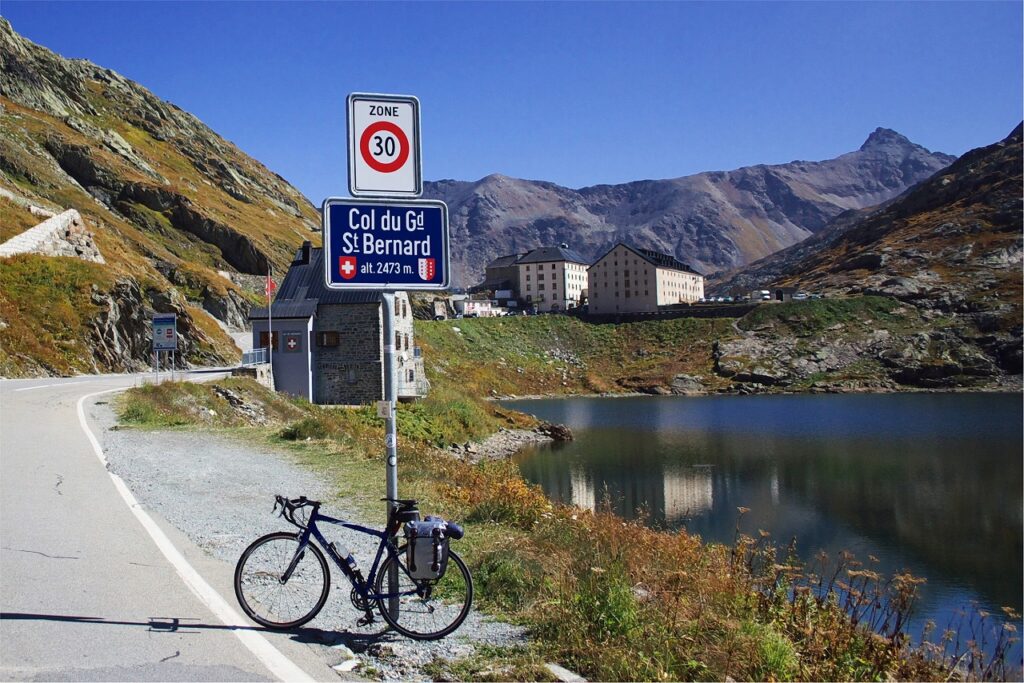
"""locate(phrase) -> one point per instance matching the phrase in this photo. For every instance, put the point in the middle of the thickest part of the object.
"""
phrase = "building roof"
(301, 308)
(559, 253)
(304, 286)
(504, 261)
(665, 260)
(655, 258)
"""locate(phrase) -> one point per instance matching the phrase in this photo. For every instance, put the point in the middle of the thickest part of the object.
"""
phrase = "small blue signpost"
(386, 245)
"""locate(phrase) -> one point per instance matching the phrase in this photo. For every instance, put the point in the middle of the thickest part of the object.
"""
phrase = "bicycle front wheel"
(262, 590)
(426, 610)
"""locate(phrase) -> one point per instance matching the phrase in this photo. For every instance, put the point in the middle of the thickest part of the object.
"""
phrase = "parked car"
(801, 296)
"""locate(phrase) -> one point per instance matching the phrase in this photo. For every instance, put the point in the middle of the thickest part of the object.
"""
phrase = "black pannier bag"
(426, 552)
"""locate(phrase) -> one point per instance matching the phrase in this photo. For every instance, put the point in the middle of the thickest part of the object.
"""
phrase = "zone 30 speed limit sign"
(384, 146)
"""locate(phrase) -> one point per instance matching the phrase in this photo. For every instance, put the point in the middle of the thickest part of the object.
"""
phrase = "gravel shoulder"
(219, 492)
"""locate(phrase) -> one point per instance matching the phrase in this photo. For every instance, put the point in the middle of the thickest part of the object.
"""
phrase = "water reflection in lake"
(927, 482)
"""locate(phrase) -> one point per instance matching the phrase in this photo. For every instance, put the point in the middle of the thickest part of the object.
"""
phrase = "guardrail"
(256, 356)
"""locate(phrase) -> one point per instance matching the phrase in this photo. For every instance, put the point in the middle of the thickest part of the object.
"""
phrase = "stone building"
(328, 344)
(629, 280)
(552, 278)
(502, 273)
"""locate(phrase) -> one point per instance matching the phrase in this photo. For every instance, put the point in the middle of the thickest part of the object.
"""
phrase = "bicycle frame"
(363, 587)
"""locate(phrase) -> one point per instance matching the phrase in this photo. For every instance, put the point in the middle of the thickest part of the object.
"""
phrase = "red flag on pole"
(271, 286)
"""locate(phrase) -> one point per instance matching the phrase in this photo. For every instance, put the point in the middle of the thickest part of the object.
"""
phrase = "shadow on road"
(357, 642)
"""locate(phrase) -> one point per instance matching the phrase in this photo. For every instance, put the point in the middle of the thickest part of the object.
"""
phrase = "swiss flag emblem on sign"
(427, 269)
(347, 267)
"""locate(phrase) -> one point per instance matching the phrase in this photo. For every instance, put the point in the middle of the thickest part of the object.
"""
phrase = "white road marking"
(58, 384)
(270, 656)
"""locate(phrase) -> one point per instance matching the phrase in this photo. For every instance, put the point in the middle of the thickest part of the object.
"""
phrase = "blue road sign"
(165, 332)
(385, 245)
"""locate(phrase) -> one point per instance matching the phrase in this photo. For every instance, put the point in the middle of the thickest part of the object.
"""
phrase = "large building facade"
(328, 344)
(629, 280)
(552, 278)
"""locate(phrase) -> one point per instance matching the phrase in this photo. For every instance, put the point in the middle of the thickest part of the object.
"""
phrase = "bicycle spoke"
(260, 590)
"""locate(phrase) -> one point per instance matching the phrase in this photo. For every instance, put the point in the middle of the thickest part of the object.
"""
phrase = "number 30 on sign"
(384, 146)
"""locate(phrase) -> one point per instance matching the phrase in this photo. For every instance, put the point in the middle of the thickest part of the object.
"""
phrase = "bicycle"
(282, 580)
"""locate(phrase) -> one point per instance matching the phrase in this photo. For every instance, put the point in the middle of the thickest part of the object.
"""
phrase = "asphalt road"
(92, 586)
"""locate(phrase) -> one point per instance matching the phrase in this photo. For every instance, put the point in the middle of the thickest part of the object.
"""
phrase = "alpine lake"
(929, 483)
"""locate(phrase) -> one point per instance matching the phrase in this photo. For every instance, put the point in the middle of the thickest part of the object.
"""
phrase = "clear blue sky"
(574, 93)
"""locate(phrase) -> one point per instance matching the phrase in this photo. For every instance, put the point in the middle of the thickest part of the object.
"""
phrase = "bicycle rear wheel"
(427, 610)
(262, 594)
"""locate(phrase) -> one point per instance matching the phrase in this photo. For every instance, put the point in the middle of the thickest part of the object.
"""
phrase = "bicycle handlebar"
(290, 506)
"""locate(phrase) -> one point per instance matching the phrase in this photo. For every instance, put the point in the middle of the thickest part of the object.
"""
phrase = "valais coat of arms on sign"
(427, 269)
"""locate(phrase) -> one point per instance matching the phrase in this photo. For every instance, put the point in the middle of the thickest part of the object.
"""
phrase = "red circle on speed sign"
(403, 147)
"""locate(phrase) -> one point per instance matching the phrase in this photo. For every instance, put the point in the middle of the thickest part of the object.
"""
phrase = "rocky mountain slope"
(948, 253)
(184, 219)
(714, 220)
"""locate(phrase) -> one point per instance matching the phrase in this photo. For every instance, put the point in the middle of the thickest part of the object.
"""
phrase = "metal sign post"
(165, 338)
(386, 245)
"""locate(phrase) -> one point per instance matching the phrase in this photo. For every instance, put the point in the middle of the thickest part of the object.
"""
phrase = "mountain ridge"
(713, 219)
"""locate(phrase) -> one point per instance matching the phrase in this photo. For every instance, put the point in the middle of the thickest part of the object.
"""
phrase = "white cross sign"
(384, 146)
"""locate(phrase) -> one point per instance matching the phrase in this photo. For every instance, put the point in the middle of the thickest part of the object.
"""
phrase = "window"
(527, 267)
(529, 288)
(540, 287)
(398, 309)
(398, 341)
(265, 340)
(326, 338)
(411, 375)
(350, 375)
(527, 277)
(540, 276)
(552, 266)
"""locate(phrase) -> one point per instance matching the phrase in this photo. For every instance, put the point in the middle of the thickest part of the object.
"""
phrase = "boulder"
(686, 385)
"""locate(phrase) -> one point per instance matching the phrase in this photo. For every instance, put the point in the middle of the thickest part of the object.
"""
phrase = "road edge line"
(272, 658)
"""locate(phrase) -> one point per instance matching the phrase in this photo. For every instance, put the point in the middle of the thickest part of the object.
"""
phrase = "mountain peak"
(883, 137)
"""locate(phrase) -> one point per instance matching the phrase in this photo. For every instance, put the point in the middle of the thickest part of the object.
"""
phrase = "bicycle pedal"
(365, 620)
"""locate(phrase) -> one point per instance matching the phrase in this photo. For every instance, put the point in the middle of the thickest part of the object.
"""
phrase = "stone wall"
(61, 235)
(350, 373)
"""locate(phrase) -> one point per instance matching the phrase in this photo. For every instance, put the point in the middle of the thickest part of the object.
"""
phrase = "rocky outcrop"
(237, 249)
(712, 220)
(231, 308)
(950, 250)
(121, 332)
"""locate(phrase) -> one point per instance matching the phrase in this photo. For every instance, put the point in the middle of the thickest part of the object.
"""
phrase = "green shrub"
(306, 428)
(605, 603)
(507, 579)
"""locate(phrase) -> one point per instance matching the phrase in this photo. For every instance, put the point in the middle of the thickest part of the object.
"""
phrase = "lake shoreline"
(1016, 387)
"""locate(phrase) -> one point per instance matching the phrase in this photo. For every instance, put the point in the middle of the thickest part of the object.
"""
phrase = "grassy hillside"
(554, 354)
(172, 206)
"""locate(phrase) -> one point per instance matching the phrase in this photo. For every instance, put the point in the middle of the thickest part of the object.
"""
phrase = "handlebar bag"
(426, 552)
